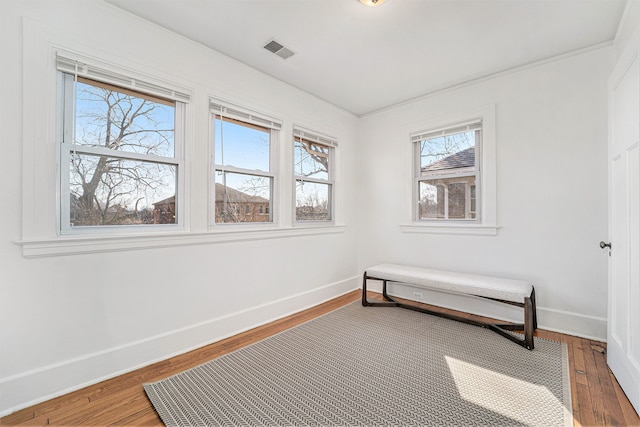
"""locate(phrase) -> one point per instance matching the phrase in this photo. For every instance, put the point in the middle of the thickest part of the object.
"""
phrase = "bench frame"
(530, 319)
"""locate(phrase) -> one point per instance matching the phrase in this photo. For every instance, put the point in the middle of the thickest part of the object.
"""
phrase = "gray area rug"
(374, 366)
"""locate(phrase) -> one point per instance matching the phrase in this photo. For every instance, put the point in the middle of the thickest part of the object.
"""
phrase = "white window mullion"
(274, 156)
(480, 176)
(64, 195)
(467, 201)
(435, 175)
(68, 101)
(179, 157)
(446, 201)
(232, 169)
(125, 155)
(315, 180)
(66, 140)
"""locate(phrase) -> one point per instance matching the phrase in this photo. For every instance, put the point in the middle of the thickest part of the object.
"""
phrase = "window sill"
(460, 229)
(74, 245)
(313, 224)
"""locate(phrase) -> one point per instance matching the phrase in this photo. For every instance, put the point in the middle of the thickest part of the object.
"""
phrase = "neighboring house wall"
(232, 206)
(453, 194)
(454, 197)
(164, 211)
(242, 212)
(239, 207)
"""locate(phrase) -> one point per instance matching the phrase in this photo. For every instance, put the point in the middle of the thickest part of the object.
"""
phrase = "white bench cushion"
(471, 284)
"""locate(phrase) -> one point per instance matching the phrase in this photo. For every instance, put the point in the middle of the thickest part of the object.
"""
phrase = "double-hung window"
(244, 167)
(120, 150)
(313, 174)
(447, 173)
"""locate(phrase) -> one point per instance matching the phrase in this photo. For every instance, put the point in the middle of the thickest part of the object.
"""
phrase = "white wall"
(629, 23)
(551, 190)
(67, 321)
(72, 320)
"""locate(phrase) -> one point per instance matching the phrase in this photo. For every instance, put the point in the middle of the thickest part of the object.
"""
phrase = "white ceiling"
(363, 59)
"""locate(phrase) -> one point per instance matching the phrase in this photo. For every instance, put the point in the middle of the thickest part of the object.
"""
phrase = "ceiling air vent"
(275, 47)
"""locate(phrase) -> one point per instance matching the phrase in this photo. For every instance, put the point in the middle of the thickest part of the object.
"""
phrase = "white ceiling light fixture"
(372, 2)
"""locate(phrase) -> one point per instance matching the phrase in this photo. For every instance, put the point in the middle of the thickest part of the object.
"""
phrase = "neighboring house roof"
(462, 159)
(237, 196)
(166, 201)
(233, 194)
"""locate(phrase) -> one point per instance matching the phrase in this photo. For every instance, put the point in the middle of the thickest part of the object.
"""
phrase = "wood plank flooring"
(597, 397)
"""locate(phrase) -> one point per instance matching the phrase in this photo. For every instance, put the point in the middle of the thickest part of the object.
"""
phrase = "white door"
(623, 330)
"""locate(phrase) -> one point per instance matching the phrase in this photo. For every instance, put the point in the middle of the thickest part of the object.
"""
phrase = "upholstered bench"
(514, 292)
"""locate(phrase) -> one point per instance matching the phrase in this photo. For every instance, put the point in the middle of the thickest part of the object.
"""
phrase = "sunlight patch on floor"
(501, 393)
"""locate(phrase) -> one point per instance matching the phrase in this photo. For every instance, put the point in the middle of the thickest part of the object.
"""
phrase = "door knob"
(605, 245)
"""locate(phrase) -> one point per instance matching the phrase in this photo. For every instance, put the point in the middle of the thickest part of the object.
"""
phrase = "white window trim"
(39, 237)
(487, 190)
(75, 245)
(466, 172)
(71, 63)
(221, 108)
(65, 145)
(332, 144)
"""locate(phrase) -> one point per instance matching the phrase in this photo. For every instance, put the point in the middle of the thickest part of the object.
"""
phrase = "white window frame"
(224, 109)
(451, 174)
(40, 235)
(486, 188)
(69, 68)
(331, 143)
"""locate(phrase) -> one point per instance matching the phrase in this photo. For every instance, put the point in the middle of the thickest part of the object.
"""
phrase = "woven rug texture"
(374, 366)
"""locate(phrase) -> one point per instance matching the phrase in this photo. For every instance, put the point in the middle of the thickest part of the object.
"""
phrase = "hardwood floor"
(596, 395)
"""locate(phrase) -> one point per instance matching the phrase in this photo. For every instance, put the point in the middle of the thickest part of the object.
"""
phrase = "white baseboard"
(581, 325)
(38, 385)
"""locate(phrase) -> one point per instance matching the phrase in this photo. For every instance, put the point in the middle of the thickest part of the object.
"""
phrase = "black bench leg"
(529, 321)
(533, 306)
(365, 302)
(390, 302)
(385, 295)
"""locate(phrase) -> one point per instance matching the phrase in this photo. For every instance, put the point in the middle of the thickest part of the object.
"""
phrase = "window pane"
(242, 198)
(452, 198)
(112, 191)
(311, 160)
(431, 204)
(456, 199)
(123, 120)
(313, 201)
(448, 152)
(241, 145)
